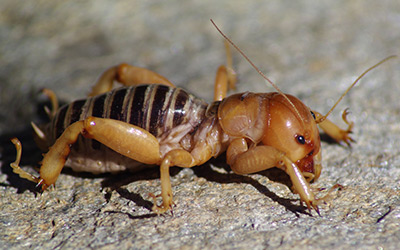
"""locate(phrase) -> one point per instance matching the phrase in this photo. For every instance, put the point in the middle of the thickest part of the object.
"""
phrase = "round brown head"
(292, 129)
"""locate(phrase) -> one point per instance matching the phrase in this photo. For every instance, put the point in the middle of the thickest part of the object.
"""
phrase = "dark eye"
(313, 115)
(300, 139)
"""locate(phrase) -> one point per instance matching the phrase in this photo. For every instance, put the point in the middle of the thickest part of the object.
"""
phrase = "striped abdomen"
(157, 108)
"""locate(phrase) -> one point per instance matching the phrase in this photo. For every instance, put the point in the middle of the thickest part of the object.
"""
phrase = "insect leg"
(15, 165)
(54, 103)
(221, 83)
(225, 78)
(105, 82)
(246, 161)
(333, 131)
(124, 138)
(201, 153)
(53, 161)
(130, 75)
(40, 137)
(177, 157)
(127, 75)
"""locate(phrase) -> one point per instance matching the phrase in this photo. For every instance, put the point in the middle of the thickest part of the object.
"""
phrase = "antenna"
(321, 119)
(256, 68)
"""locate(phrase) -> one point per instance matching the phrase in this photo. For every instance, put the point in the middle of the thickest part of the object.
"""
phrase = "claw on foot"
(325, 199)
(19, 171)
(313, 205)
(345, 133)
(162, 208)
(43, 185)
(15, 165)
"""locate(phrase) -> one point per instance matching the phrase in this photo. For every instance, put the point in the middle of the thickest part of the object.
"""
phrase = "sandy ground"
(311, 49)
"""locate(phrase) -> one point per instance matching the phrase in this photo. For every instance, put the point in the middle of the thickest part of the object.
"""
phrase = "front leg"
(334, 131)
(246, 161)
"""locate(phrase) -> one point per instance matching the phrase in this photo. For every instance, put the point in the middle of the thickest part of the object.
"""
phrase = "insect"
(150, 121)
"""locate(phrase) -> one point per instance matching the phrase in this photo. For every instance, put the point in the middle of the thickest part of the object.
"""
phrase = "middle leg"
(225, 78)
(201, 153)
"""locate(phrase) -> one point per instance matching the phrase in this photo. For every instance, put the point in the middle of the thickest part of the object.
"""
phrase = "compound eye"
(300, 139)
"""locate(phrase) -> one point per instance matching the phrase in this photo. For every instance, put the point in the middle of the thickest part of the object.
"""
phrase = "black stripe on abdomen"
(137, 106)
(116, 111)
(98, 106)
(180, 101)
(158, 109)
(76, 111)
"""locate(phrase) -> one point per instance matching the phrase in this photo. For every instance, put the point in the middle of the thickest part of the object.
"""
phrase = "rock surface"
(311, 49)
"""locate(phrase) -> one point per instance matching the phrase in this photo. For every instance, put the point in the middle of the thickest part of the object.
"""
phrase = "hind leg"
(124, 138)
(127, 75)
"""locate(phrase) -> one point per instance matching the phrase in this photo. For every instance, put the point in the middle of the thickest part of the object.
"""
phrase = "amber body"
(159, 124)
